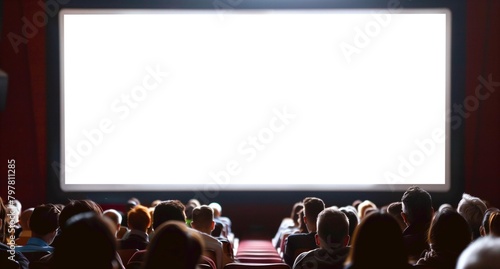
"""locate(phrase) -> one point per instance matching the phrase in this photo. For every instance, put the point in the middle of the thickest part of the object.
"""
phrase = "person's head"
(364, 207)
(377, 235)
(484, 230)
(495, 224)
(333, 229)
(194, 202)
(449, 232)
(352, 216)
(189, 210)
(445, 206)
(155, 203)
(417, 206)
(131, 203)
(75, 207)
(86, 232)
(174, 246)
(115, 217)
(395, 209)
(138, 218)
(482, 253)
(302, 224)
(168, 210)
(472, 209)
(203, 219)
(312, 207)
(24, 219)
(293, 215)
(217, 209)
(44, 222)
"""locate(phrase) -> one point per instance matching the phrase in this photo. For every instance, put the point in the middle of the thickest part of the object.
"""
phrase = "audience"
(138, 221)
(472, 209)
(378, 243)
(19, 261)
(395, 209)
(298, 243)
(131, 203)
(332, 239)
(417, 213)
(189, 213)
(174, 246)
(115, 217)
(73, 208)
(288, 225)
(225, 221)
(483, 253)
(449, 235)
(484, 230)
(398, 235)
(14, 208)
(495, 224)
(352, 216)
(44, 225)
(87, 241)
(24, 219)
(364, 207)
(203, 222)
(168, 210)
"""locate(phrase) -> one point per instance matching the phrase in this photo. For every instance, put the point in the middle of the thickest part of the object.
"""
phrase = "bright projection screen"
(254, 100)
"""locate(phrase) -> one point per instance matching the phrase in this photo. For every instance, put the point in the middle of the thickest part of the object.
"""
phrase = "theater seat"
(256, 266)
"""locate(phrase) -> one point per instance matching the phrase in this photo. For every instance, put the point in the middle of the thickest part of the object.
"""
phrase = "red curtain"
(482, 128)
(23, 122)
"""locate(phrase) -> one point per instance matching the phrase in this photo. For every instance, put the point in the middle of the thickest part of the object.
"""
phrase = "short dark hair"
(203, 216)
(417, 205)
(85, 231)
(75, 207)
(312, 207)
(168, 210)
(44, 219)
(352, 216)
(333, 226)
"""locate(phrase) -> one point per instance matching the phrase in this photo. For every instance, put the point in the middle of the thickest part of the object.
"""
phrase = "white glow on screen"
(365, 119)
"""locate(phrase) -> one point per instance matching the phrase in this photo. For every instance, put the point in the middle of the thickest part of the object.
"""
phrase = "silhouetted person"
(483, 253)
(417, 213)
(174, 246)
(378, 243)
(472, 209)
(298, 243)
(332, 239)
(449, 235)
(86, 242)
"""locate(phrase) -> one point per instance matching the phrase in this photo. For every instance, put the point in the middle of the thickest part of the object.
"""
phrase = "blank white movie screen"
(254, 100)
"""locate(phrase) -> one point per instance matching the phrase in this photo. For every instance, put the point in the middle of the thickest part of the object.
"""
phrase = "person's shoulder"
(297, 236)
(210, 239)
(301, 258)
